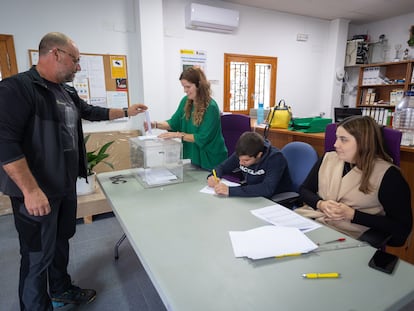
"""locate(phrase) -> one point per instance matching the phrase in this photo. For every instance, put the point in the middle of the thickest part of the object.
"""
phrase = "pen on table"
(333, 241)
(288, 255)
(215, 175)
(328, 275)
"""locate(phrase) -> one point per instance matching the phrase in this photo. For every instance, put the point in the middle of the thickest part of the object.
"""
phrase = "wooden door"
(8, 64)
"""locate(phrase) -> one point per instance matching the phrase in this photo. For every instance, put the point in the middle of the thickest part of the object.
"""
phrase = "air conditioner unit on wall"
(209, 18)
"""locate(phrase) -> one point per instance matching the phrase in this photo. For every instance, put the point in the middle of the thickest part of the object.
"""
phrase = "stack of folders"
(270, 241)
(381, 115)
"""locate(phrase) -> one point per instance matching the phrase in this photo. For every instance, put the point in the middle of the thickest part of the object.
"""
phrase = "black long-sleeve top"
(393, 194)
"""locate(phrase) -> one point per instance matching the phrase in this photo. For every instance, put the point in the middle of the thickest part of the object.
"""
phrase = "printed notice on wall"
(190, 58)
(117, 99)
(118, 67)
(90, 80)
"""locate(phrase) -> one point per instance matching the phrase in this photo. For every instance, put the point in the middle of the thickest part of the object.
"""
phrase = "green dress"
(209, 149)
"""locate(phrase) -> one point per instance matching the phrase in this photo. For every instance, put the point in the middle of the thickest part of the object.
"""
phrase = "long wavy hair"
(370, 146)
(196, 75)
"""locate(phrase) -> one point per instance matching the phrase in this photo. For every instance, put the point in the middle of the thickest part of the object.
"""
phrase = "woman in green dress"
(197, 122)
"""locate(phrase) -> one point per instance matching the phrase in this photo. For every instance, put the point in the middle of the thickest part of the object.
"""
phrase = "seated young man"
(263, 167)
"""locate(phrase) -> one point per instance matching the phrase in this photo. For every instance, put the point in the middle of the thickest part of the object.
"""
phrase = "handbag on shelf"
(279, 116)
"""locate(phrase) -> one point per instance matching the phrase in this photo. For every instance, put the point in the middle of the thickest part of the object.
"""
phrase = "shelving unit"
(394, 71)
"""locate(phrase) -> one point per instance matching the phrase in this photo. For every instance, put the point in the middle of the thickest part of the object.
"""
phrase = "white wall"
(301, 65)
(97, 26)
(151, 34)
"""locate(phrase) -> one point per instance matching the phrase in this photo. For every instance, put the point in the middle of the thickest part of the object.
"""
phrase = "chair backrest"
(301, 157)
(392, 141)
(232, 126)
(330, 137)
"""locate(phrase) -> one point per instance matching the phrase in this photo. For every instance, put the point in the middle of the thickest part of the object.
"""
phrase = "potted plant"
(93, 158)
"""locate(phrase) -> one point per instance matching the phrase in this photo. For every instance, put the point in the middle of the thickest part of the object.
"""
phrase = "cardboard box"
(118, 151)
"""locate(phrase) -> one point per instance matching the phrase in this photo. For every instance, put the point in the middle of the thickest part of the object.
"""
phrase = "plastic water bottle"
(404, 118)
(260, 114)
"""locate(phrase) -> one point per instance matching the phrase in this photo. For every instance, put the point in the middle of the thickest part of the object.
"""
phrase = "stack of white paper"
(279, 215)
(270, 241)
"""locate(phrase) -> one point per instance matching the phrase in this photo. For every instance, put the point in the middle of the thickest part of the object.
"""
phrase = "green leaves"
(98, 155)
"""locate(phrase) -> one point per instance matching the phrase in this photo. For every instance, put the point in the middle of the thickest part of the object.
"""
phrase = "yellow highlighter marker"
(289, 255)
(328, 275)
(215, 175)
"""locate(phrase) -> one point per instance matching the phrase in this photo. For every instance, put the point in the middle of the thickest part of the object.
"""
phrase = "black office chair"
(301, 157)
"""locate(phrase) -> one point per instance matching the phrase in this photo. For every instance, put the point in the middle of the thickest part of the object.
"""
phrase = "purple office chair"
(232, 126)
(392, 142)
(330, 137)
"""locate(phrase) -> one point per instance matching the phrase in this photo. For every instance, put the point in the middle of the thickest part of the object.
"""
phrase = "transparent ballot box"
(156, 161)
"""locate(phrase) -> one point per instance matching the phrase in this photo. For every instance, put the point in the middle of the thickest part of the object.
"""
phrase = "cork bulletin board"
(102, 81)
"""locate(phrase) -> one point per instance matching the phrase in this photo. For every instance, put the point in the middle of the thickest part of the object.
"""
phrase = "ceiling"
(356, 11)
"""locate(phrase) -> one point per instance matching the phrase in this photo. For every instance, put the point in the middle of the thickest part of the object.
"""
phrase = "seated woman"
(356, 187)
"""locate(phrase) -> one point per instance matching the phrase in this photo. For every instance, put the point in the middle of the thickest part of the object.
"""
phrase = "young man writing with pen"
(263, 167)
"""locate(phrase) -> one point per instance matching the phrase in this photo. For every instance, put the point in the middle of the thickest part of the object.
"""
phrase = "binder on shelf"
(381, 115)
(377, 114)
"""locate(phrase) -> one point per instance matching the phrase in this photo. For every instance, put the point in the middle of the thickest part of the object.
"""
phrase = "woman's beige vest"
(332, 186)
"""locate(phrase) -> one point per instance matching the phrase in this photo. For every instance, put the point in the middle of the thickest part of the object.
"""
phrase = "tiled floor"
(121, 285)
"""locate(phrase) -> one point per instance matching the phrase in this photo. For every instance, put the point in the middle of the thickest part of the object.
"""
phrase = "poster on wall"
(102, 80)
(118, 67)
(90, 80)
(117, 99)
(191, 58)
(34, 57)
(82, 86)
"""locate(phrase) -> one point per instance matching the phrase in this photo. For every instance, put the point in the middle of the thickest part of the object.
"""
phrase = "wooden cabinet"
(397, 76)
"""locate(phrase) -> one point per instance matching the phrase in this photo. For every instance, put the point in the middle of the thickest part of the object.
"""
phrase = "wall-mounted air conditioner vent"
(208, 18)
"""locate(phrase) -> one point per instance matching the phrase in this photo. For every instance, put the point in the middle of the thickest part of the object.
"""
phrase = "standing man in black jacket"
(42, 153)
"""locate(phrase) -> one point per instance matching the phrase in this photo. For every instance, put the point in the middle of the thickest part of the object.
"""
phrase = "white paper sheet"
(270, 241)
(210, 190)
(279, 215)
(148, 120)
